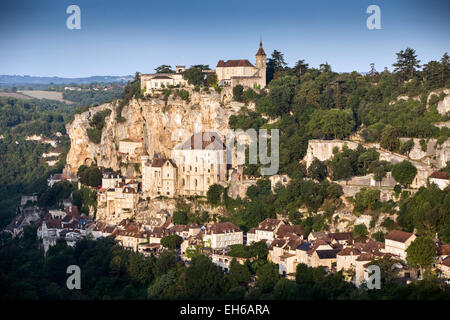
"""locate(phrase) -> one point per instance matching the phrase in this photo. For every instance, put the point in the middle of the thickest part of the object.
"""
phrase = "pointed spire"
(261, 50)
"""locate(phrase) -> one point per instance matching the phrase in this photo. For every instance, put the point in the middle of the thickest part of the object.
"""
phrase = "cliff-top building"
(229, 73)
(243, 72)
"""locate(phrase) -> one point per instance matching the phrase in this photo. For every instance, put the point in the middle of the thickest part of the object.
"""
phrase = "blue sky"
(121, 37)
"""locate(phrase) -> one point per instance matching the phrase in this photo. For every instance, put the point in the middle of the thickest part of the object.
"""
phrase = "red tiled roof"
(159, 162)
(234, 63)
(399, 236)
(439, 175)
(222, 227)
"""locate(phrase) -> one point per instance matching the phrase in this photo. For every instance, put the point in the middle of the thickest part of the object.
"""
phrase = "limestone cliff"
(160, 125)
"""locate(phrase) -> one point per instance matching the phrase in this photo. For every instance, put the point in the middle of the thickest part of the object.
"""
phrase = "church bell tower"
(261, 64)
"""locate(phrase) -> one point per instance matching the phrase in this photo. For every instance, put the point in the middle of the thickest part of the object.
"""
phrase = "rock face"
(160, 125)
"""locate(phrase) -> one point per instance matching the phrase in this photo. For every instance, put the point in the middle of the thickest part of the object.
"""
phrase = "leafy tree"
(317, 170)
(203, 278)
(360, 230)
(389, 138)
(214, 194)
(421, 253)
(90, 176)
(239, 273)
(180, 217)
(237, 93)
(267, 277)
(193, 76)
(404, 172)
(171, 241)
(406, 147)
(331, 124)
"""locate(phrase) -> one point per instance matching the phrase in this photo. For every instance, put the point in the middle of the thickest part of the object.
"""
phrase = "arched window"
(207, 180)
(195, 183)
(182, 182)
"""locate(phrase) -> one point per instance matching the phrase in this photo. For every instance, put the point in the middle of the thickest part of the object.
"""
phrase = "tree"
(421, 253)
(406, 64)
(300, 68)
(407, 147)
(214, 194)
(164, 69)
(193, 76)
(171, 241)
(275, 64)
(404, 172)
(203, 278)
(180, 217)
(237, 92)
(317, 170)
(389, 138)
(360, 230)
(268, 276)
(239, 273)
(331, 124)
(90, 176)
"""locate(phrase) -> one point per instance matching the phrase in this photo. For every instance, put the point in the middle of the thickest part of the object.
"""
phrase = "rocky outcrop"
(160, 125)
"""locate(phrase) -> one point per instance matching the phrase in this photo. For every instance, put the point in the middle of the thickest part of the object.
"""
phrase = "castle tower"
(261, 64)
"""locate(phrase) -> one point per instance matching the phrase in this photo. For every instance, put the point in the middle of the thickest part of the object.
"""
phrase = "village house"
(440, 179)
(397, 242)
(222, 235)
(265, 231)
(116, 204)
(57, 177)
(444, 268)
(110, 179)
(224, 261)
(157, 81)
(346, 259)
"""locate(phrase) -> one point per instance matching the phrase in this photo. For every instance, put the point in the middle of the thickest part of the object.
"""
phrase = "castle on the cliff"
(229, 73)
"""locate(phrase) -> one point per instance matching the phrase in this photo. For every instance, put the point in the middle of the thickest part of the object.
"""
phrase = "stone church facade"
(194, 166)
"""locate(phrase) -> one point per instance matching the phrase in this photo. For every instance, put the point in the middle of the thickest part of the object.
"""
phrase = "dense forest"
(22, 168)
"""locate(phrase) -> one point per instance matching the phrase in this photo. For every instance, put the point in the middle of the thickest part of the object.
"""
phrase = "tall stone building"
(201, 162)
(159, 176)
(195, 164)
(243, 72)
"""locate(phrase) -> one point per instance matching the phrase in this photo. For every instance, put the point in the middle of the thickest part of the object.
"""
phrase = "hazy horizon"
(118, 38)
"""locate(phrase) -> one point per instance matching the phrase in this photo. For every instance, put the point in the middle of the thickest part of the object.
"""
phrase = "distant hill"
(8, 80)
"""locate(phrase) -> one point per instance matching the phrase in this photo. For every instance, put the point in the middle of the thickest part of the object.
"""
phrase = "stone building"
(201, 162)
(159, 176)
(157, 81)
(222, 235)
(116, 204)
(397, 242)
(243, 72)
